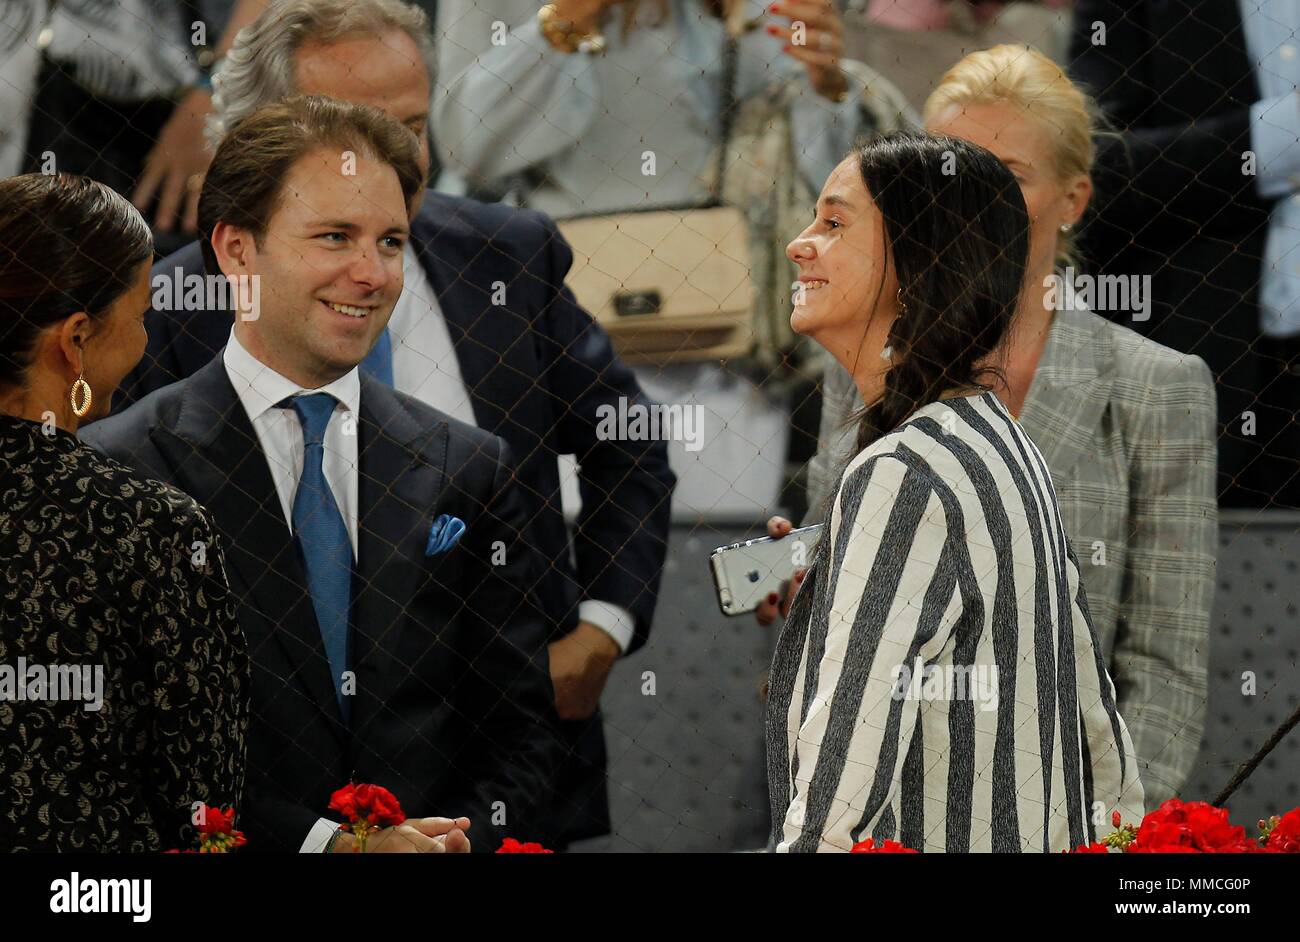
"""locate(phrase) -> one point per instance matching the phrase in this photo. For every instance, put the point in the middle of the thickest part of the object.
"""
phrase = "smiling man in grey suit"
(376, 543)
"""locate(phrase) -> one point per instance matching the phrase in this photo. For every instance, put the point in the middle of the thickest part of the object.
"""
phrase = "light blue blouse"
(1272, 30)
(506, 100)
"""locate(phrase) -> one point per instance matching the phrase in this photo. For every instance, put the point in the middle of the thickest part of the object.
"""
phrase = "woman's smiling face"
(845, 298)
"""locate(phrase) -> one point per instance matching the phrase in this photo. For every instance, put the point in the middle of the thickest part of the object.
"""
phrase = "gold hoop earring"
(81, 387)
(902, 306)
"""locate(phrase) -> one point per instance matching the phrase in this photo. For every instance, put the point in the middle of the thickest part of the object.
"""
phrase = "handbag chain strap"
(730, 67)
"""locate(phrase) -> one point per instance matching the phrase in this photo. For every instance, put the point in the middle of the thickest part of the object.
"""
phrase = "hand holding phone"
(777, 604)
(746, 574)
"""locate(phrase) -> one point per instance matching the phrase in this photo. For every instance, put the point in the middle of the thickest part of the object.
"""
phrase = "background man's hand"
(580, 665)
(774, 604)
(414, 836)
(175, 167)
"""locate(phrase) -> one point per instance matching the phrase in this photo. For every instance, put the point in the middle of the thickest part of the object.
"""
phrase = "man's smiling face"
(330, 265)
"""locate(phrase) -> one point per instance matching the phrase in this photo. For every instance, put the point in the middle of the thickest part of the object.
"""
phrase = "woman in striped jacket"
(939, 681)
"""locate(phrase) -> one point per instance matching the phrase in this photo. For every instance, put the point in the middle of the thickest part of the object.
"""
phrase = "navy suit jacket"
(538, 368)
(453, 707)
(1176, 80)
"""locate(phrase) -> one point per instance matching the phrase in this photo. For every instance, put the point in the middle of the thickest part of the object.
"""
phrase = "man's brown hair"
(246, 179)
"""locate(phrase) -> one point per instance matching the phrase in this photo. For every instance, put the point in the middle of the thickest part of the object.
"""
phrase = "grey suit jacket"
(1128, 430)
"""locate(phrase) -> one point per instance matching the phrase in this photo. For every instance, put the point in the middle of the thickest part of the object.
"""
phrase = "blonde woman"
(943, 579)
(1126, 425)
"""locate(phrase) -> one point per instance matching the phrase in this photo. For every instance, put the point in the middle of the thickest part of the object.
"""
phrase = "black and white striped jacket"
(939, 681)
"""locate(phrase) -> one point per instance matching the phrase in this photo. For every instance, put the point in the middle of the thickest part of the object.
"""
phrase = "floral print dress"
(124, 676)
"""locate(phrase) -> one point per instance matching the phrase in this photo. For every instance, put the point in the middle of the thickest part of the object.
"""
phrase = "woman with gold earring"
(82, 388)
(112, 580)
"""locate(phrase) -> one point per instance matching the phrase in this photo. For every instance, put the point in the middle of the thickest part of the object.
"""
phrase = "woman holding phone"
(939, 681)
(1127, 426)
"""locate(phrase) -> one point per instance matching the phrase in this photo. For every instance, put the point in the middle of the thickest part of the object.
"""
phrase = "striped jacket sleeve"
(1163, 635)
(886, 600)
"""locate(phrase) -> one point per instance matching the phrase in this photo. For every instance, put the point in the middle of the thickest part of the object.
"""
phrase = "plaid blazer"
(1128, 430)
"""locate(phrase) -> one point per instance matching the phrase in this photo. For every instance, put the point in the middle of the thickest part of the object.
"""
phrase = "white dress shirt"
(424, 361)
(279, 431)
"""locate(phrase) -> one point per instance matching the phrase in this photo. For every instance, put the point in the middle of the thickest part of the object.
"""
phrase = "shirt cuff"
(1275, 139)
(616, 622)
(318, 836)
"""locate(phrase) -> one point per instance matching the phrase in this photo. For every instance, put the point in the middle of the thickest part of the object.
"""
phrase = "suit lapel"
(1070, 390)
(220, 463)
(490, 340)
(402, 465)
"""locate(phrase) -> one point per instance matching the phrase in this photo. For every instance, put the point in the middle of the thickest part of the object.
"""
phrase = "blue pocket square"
(444, 533)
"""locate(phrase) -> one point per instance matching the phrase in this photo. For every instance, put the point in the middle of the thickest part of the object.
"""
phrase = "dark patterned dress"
(124, 677)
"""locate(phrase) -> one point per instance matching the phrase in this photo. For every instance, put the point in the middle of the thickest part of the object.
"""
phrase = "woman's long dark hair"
(67, 244)
(957, 232)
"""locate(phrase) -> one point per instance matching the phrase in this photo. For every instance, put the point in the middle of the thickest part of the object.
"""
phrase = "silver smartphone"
(746, 573)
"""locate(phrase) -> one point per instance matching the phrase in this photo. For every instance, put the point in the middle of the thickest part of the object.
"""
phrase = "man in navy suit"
(487, 332)
(375, 543)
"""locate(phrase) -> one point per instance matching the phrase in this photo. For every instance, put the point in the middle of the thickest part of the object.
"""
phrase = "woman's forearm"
(500, 107)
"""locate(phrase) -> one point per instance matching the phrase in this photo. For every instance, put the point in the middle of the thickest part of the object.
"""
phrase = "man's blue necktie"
(379, 361)
(322, 537)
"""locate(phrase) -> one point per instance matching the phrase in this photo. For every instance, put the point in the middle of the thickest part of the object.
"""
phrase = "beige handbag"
(670, 285)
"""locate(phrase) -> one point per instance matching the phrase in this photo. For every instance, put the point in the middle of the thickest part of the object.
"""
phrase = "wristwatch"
(561, 34)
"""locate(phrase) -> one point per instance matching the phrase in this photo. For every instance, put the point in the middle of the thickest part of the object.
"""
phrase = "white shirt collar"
(261, 388)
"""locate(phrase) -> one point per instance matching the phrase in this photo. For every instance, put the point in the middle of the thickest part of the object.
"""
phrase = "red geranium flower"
(367, 808)
(216, 832)
(1284, 838)
(216, 821)
(367, 805)
(886, 847)
(1193, 827)
(512, 846)
(1094, 848)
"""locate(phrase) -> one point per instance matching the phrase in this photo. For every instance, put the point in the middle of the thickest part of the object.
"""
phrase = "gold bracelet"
(561, 34)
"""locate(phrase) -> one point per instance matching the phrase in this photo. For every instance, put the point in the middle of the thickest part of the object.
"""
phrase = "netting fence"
(595, 279)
